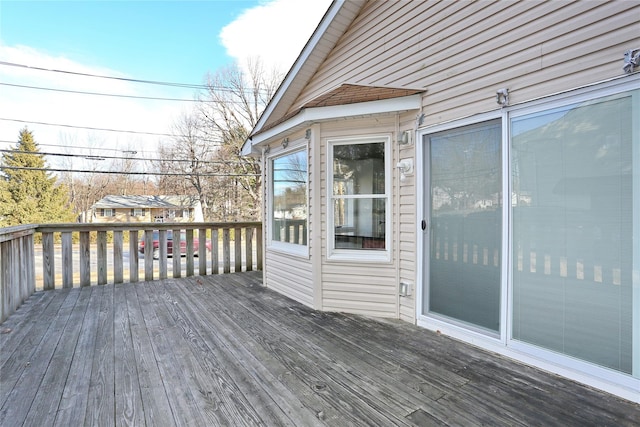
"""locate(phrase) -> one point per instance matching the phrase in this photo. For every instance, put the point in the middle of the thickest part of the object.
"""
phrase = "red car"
(183, 244)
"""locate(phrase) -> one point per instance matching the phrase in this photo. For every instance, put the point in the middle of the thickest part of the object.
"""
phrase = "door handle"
(424, 225)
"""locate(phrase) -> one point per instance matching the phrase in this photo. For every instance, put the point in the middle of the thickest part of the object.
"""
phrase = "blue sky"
(171, 41)
(156, 40)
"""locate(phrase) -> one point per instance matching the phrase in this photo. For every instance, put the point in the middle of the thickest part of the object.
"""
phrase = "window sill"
(360, 256)
(301, 251)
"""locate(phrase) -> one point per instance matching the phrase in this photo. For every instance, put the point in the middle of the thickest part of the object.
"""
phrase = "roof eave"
(308, 116)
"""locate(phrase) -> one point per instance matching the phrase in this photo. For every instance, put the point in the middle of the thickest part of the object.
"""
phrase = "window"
(358, 199)
(185, 213)
(289, 202)
(171, 214)
(137, 212)
(108, 212)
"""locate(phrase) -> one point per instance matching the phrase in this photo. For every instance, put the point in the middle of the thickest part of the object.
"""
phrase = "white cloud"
(275, 31)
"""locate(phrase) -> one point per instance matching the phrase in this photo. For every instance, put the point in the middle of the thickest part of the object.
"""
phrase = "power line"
(184, 85)
(153, 82)
(101, 157)
(127, 173)
(101, 129)
(14, 142)
(79, 92)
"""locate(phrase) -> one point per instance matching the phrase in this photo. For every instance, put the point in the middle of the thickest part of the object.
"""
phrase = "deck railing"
(51, 256)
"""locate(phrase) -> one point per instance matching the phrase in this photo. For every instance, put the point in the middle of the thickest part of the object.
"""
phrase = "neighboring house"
(471, 167)
(147, 209)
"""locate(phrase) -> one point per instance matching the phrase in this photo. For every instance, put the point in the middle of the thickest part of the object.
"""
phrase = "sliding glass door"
(571, 294)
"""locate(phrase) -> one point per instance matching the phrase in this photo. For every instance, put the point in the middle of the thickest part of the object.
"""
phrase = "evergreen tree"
(28, 194)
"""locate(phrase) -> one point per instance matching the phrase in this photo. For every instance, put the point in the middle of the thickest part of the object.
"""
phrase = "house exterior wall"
(460, 53)
(450, 48)
(124, 215)
(548, 55)
(369, 288)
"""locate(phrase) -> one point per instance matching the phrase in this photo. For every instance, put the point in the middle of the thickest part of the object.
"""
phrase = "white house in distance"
(471, 167)
(147, 209)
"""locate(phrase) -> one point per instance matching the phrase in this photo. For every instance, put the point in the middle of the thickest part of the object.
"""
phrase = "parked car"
(183, 244)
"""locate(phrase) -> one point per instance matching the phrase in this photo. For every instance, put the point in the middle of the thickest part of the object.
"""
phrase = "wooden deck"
(223, 350)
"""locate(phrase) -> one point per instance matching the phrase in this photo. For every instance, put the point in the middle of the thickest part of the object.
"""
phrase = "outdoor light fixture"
(406, 168)
(406, 138)
(502, 97)
(307, 134)
(266, 149)
(285, 142)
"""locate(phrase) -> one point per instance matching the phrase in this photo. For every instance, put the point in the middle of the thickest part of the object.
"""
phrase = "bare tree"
(230, 108)
(189, 157)
(205, 151)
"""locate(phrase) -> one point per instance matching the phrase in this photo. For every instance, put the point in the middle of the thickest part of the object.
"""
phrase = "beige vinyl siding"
(358, 287)
(358, 291)
(290, 275)
(407, 239)
(474, 48)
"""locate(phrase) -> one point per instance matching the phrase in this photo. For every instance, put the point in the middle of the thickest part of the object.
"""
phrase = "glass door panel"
(573, 174)
(463, 268)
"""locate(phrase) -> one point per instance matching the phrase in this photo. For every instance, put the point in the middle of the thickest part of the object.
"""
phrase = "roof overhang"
(307, 116)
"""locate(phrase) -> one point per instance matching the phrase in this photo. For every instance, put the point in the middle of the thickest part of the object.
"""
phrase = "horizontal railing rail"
(51, 256)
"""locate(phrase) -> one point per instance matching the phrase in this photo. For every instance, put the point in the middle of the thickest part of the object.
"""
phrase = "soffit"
(344, 95)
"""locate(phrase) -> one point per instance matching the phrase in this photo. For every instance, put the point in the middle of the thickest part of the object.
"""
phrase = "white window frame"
(296, 249)
(138, 211)
(108, 212)
(585, 372)
(360, 255)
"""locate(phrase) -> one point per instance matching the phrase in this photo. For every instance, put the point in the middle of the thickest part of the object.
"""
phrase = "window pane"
(289, 177)
(359, 223)
(358, 169)
(573, 231)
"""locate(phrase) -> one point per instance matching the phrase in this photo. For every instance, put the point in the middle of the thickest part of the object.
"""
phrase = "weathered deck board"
(223, 350)
(73, 405)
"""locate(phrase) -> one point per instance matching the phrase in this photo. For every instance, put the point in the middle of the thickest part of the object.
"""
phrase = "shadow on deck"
(223, 350)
